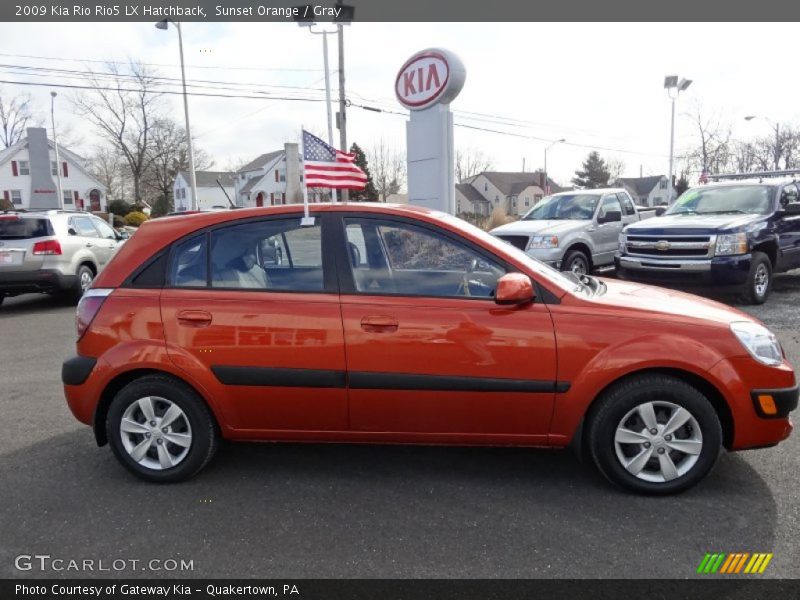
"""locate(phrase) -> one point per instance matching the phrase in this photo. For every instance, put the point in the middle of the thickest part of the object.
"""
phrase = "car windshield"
(564, 206)
(745, 199)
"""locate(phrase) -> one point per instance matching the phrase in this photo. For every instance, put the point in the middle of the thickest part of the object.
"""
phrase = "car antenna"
(224, 191)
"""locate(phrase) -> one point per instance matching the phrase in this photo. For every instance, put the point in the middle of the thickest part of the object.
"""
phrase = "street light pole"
(674, 87)
(776, 153)
(55, 146)
(192, 175)
(546, 183)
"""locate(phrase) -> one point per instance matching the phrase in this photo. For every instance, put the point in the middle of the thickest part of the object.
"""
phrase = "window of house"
(283, 175)
(662, 184)
(513, 203)
(16, 196)
(24, 167)
(53, 167)
(485, 187)
(497, 199)
(67, 196)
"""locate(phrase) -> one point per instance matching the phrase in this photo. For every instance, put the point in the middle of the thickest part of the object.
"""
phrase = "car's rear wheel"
(759, 280)
(577, 262)
(83, 281)
(160, 429)
(654, 434)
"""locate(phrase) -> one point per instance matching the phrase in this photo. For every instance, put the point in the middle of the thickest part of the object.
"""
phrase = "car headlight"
(543, 241)
(759, 341)
(621, 240)
(731, 243)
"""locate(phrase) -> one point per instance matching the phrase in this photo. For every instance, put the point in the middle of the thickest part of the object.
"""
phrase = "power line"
(113, 62)
(144, 91)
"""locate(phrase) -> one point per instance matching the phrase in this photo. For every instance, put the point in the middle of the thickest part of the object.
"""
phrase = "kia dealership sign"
(429, 77)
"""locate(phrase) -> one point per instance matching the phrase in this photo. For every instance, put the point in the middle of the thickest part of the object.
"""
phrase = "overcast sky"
(597, 85)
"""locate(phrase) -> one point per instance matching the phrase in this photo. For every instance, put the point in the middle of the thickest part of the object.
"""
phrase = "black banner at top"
(397, 10)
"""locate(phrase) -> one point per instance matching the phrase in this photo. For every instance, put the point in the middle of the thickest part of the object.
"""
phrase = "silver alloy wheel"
(761, 279)
(578, 265)
(86, 280)
(658, 441)
(155, 433)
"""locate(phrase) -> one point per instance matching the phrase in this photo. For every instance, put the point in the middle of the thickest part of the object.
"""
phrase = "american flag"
(325, 166)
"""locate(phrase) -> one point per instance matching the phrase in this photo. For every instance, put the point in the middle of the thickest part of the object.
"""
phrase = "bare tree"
(16, 115)
(124, 108)
(712, 152)
(471, 162)
(388, 168)
(616, 168)
(110, 169)
(778, 151)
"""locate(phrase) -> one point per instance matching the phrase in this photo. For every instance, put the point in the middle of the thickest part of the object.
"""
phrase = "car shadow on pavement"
(33, 303)
(325, 510)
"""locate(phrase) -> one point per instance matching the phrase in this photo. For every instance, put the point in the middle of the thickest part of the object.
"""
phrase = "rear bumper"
(76, 370)
(722, 270)
(42, 280)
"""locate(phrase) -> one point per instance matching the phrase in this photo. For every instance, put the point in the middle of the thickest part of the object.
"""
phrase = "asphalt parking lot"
(264, 510)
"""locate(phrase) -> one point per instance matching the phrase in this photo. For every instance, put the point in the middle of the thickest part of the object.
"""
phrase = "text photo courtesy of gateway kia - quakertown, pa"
(354, 299)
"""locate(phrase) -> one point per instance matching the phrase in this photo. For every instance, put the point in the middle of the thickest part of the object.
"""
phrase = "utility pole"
(341, 121)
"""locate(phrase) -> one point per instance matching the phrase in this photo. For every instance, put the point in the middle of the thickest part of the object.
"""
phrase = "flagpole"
(307, 220)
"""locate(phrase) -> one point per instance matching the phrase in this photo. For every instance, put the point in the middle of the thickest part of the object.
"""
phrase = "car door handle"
(194, 318)
(379, 324)
(89, 244)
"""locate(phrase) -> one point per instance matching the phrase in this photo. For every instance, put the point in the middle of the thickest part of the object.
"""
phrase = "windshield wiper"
(722, 212)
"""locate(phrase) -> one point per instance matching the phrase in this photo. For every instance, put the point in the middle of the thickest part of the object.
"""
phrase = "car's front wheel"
(577, 262)
(654, 434)
(160, 429)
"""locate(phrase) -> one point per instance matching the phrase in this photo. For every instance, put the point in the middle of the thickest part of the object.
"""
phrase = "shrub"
(498, 218)
(134, 219)
(119, 207)
(6, 204)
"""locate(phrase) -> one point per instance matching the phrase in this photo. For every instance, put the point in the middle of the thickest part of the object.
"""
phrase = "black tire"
(576, 257)
(75, 294)
(2, 298)
(754, 291)
(204, 435)
(623, 398)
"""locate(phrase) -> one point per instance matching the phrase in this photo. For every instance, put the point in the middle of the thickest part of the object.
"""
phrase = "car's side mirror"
(72, 231)
(660, 210)
(611, 216)
(514, 288)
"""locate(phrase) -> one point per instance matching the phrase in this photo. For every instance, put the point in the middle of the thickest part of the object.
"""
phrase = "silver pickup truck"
(575, 231)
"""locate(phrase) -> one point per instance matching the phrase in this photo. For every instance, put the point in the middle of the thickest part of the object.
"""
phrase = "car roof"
(614, 190)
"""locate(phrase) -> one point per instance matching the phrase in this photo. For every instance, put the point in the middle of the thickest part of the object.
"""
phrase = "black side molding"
(75, 370)
(276, 377)
(409, 381)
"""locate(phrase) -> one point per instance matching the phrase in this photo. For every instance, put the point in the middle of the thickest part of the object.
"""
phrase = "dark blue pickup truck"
(732, 232)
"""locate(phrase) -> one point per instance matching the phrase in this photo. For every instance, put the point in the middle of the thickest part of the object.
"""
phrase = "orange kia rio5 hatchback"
(391, 324)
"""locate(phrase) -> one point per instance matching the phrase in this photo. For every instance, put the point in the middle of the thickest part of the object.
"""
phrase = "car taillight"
(88, 308)
(47, 247)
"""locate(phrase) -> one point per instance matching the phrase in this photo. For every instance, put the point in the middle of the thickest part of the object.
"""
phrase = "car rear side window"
(273, 255)
(84, 227)
(189, 267)
(15, 228)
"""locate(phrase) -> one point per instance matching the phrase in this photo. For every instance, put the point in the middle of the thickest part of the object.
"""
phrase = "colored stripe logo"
(734, 563)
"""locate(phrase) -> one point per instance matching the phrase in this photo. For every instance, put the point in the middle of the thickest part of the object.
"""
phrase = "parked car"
(738, 231)
(57, 252)
(390, 324)
(574, 231)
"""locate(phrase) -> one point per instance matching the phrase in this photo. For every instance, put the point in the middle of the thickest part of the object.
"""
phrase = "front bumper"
(722, 270)
(41, 280)
(549, 256)
(785, 401)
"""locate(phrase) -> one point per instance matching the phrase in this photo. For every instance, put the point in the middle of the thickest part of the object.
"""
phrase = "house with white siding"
(515, 193)
(213, 189)
(29, 176)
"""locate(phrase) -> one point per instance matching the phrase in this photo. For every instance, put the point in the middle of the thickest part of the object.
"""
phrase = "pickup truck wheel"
(576, 261)
(160, 429)
(759, 280)
(655, 435)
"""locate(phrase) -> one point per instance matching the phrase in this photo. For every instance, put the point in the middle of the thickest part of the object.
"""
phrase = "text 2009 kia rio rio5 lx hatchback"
(403, 325)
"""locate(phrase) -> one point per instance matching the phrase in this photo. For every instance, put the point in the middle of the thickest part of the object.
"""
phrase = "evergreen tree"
(594, 173)
(368, 194)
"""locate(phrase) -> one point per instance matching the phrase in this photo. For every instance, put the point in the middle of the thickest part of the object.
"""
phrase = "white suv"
(55, 252)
